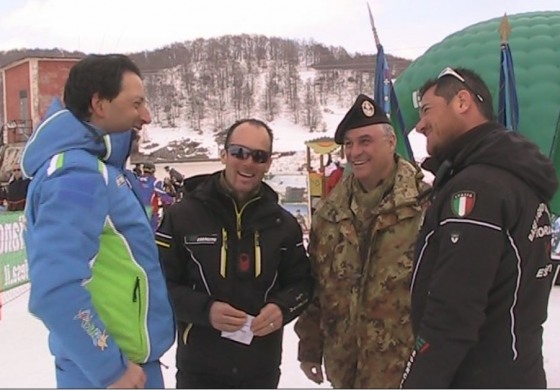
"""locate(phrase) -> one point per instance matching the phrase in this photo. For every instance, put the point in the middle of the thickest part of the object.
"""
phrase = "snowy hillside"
(200, 88)
(287, 138)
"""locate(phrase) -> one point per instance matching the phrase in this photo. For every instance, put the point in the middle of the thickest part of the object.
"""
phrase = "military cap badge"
(368, 109)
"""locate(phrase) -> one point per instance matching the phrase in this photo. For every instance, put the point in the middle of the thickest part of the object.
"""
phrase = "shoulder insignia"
(56, 162)
(462, 203)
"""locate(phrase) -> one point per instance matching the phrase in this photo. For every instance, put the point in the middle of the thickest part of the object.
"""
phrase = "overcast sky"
(406, 28)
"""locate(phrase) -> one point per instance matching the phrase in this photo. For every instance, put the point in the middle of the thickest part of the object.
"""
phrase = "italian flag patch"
(462, 203)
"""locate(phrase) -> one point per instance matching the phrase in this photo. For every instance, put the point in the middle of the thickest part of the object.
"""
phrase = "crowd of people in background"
(158, 195)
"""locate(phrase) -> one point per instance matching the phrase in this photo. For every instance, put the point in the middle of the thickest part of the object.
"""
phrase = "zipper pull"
(136, 289)
(223, 254)
(257, 254)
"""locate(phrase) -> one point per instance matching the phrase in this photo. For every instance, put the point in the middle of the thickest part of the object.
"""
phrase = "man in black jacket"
(482, 271)
(17, 190)
(176, 177)
(236, 269)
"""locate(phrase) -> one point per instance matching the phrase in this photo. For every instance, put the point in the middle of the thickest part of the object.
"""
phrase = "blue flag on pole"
(384, 95)
(508, 105)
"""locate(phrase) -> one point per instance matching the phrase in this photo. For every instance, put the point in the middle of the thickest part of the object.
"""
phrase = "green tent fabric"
(555, 157)
(535, 46)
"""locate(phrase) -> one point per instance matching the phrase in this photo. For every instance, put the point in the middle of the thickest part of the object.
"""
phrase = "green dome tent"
(535, 46)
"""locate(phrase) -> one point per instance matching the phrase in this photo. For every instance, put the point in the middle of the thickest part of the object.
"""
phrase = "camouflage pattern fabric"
(359, 320)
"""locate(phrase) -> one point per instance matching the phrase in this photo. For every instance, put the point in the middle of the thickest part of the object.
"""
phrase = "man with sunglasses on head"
(361, 244)
(236, 268)
(482, 270)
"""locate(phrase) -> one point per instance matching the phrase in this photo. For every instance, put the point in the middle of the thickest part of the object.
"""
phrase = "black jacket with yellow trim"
(211, 251)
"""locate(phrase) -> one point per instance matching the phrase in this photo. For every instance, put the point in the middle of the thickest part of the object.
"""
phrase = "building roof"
(21, 60)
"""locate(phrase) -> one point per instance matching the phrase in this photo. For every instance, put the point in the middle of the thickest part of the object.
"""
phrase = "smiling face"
(245, 175)
(370, 152)
(439, 121)
(128, 110)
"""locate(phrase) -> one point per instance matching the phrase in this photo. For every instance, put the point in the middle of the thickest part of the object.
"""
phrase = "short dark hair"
(447, 87)
(149, 167)
(251, 121)
(101, 74)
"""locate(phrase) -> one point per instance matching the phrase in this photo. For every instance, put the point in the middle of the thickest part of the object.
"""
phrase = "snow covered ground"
(26, 362)
(287, 135)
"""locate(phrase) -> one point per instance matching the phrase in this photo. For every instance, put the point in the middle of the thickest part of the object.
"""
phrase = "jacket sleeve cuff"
(114, 376)
(310, 347)
(312, 354)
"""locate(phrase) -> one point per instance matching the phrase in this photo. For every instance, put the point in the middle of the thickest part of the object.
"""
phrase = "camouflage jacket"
(359, 318)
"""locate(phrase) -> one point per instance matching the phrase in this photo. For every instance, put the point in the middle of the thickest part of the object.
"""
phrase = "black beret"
(364, 112)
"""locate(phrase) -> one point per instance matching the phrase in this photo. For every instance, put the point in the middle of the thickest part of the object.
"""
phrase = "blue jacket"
(96, 281)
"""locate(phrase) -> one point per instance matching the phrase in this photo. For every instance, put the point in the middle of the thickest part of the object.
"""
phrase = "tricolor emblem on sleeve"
(462, 203)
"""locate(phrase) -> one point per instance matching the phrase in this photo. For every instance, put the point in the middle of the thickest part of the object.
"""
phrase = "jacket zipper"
(137, 298)
(238, 214)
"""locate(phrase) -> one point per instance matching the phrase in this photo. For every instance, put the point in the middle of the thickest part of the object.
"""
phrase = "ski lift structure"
(319, 147)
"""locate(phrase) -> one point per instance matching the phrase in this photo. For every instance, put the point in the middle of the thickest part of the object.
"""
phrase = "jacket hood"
(491, 144)
(61, 131)
(193, 182)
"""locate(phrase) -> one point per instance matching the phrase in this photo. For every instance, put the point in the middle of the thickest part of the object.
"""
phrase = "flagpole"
(508, 105)
(373, 29)
(504, 29)
(385, 96)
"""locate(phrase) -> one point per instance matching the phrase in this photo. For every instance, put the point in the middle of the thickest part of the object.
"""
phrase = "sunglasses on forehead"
(243, 153)
(448, 71)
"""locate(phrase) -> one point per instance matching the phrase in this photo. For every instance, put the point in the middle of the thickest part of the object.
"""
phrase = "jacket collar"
(405, 192)
(457, 151)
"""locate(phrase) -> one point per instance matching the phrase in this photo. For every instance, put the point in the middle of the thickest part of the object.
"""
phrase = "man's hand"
(133, 378)
(313, 371)
(225, 317)
(269, 320)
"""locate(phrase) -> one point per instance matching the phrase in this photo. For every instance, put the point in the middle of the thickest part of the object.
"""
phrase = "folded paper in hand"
(243, 335)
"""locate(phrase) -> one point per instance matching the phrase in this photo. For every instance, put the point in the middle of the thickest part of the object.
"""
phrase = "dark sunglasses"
(16, 170)
(453, 73)
(243, 153)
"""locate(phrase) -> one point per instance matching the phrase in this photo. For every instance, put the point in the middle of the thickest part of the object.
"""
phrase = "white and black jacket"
(482, 270)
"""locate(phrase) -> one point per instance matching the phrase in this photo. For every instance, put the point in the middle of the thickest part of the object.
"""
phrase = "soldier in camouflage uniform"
(361, 246)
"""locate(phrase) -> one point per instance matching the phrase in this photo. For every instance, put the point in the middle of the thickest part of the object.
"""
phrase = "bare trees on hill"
(207, 84)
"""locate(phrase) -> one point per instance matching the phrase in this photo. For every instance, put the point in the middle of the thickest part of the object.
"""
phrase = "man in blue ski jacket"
(96, 282)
